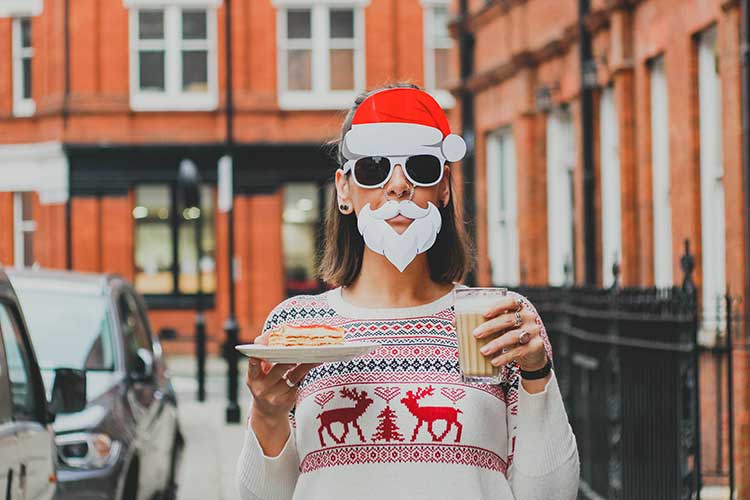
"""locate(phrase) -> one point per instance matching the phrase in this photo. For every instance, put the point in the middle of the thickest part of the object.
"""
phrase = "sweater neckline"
(344, 308)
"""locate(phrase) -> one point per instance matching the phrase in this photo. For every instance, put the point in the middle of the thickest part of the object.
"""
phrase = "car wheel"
(130, 491)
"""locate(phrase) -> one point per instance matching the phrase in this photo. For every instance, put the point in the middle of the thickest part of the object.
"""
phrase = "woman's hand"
(518, 328)
(274, 386)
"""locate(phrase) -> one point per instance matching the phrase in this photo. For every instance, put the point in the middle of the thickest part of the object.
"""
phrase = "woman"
(405, 426)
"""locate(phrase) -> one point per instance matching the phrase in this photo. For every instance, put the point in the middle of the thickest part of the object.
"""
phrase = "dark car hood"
(98, 383)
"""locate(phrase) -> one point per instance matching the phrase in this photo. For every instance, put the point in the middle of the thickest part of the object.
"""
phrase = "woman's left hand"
(518, 329)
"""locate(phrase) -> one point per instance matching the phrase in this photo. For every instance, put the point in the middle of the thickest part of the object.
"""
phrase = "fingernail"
(477, 332)
(495, 362)
(484, 350)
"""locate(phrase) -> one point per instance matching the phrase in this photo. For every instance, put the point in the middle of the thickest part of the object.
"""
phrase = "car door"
(10, 461)
(36, 471)
(143, 396)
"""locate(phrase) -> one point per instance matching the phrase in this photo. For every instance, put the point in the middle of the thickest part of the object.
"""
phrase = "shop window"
(301, 227)
(166, 248)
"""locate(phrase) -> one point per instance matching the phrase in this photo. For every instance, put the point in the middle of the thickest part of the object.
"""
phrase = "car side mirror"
(68, 391)
(143, 367)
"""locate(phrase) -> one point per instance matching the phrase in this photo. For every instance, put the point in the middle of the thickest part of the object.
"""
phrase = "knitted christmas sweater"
(400, 423)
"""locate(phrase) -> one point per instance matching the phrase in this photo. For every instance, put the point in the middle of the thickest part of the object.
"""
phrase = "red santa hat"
(396, 122)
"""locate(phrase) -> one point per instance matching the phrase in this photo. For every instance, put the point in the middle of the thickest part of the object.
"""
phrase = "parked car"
(27, 446)
(126, 444)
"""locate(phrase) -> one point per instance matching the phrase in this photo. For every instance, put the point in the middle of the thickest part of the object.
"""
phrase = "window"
(23, 397)
(713, 232)
(561, 158)
(502, 210)
(660, 175)
(437, 50)
(610, 185)
(23, 51)
(302, 216)
(173, 55)
(23, 229)
(321, 56)
(166, 247)
(134, 331)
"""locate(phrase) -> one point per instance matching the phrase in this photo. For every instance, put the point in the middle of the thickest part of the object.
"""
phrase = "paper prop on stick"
(406, 127)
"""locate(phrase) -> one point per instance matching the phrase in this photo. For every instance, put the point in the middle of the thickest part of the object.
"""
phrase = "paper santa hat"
(400, 122)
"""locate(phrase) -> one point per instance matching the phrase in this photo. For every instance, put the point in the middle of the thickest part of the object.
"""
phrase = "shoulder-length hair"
(449, 258)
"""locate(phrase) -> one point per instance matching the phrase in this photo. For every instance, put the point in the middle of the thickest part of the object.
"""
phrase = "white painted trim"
(282, 4)
(662, 210)
(41, 167)
(502, 208)
(320, 97)
(130, 4)
(609, 144)
(442, 96)
(21, 8)
(20, 228)
(713, 228)
(21, 106)
(174, 98)
(561, 158)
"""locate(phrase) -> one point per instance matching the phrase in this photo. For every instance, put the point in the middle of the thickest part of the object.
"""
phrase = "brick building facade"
(665, 132)
(107, 97)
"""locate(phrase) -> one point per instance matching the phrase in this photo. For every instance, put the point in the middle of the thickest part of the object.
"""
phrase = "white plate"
(308, 354)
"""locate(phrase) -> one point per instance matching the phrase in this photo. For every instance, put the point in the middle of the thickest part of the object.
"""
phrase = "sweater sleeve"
(260, 477)
(545, 463)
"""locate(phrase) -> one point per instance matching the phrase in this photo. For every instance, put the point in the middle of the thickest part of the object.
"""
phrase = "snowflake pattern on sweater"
(403, 403)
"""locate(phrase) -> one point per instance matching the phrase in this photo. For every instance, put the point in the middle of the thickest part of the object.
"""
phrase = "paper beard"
(399, 249)
(400, 122)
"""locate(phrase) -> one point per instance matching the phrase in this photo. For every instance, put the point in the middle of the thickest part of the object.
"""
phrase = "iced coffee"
(470, 304)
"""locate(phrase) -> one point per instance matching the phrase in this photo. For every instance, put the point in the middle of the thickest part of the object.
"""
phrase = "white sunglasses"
(370, 172)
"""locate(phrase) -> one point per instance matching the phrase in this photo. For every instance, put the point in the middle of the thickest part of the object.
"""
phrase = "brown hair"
(449, 258)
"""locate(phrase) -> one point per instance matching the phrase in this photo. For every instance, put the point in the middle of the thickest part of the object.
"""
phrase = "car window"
(134, 332)
(22, 396)
(5, 414)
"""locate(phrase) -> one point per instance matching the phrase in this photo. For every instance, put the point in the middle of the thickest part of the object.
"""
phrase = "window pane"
(151, 24)
(298, 24)
(440, 19)
(188, 246)
(342, 69)
(342, 23)
(153, 240)
(195, 70)
(152, 70)
(442, 68)
(25, 32)
(21, 385)
(27, 206)
(300, 224)
(299, 69)
(26, 62)
(194, 25)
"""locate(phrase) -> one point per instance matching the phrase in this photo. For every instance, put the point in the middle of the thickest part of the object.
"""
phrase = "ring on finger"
(524, 337)
(518, 322)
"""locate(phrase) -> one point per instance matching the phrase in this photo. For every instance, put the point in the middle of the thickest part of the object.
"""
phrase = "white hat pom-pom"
(453, 147)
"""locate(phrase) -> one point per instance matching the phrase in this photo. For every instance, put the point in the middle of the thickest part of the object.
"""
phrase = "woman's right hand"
(274, 387)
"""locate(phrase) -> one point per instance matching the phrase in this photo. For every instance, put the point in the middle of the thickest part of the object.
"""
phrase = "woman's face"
(397, 188)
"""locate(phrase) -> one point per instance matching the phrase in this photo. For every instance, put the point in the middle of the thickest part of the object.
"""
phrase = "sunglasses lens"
(372, 170)
(424, 169)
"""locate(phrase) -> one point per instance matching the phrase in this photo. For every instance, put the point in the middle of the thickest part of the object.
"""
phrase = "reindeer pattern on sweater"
(403, 403)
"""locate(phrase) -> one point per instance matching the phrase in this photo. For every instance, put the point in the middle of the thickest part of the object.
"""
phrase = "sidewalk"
(211, 445)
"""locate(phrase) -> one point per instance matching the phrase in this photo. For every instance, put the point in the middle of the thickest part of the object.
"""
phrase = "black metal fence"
(627, 361)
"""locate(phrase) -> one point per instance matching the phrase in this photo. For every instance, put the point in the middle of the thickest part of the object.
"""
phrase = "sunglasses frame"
(393, 161)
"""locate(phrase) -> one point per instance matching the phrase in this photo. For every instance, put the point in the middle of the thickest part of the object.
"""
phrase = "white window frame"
(662, 210)
(321, 96)
(502, 221)
(173, 98)
(610, 185)
(713, 224)
(21, 106)
(21, 8)
(561, 158)
(443, 97)
(20, 228)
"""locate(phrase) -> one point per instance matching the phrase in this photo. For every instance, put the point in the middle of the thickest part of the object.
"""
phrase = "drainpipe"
(64, 112)
(466, 53)
(745, 69)
(587, 133)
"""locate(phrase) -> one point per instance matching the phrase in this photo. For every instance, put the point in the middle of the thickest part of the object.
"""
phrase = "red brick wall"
(6, 228)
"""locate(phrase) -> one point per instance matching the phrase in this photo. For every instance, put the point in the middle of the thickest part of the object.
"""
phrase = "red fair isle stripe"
(471, 456)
